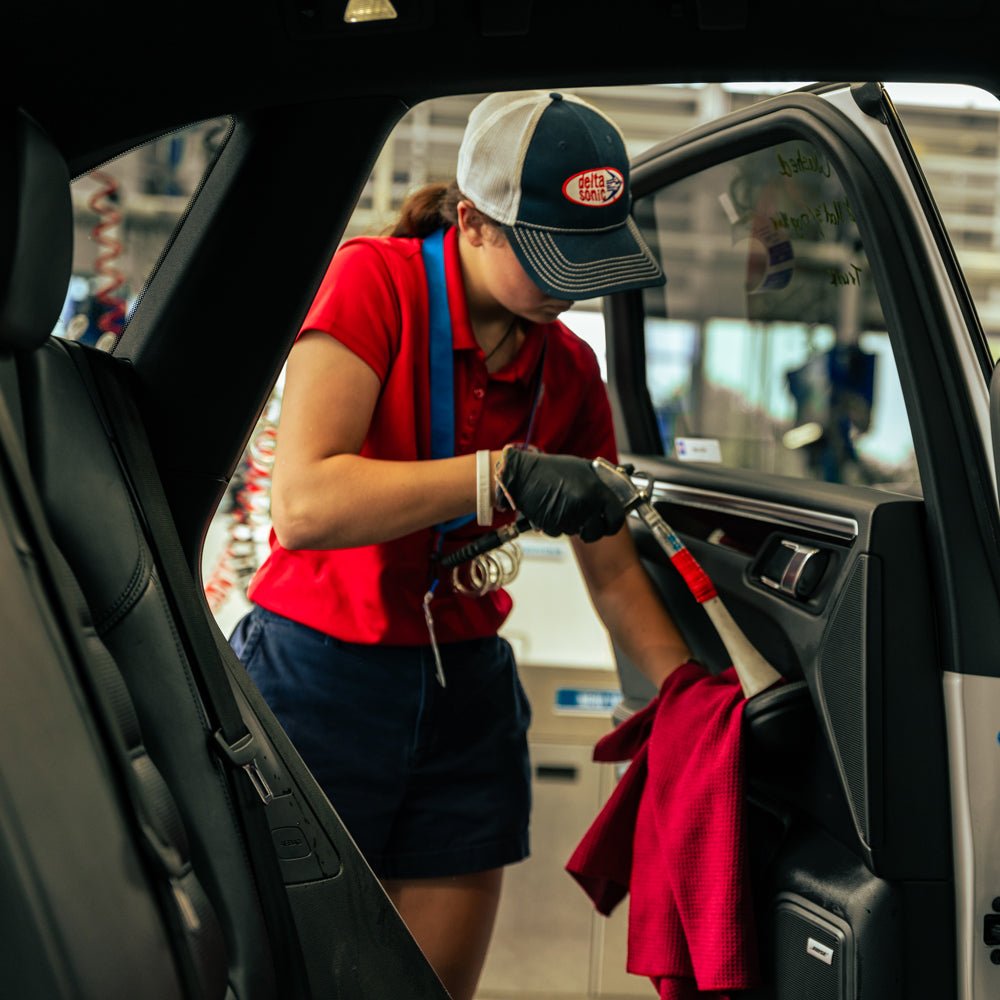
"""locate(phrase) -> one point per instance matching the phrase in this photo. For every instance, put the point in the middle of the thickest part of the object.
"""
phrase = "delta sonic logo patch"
(595, 188)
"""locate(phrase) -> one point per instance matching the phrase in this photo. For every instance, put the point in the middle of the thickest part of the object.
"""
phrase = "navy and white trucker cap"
(553, 171)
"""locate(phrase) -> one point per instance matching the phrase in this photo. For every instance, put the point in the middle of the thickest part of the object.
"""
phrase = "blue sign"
(589, 701)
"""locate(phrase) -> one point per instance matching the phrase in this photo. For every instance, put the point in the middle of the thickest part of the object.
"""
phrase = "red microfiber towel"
(672, 836)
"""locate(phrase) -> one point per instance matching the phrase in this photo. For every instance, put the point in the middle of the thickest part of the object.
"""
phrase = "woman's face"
(498, 279)
(508, 282)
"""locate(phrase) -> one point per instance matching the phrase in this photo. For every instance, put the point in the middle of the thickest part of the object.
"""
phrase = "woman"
(431, 383)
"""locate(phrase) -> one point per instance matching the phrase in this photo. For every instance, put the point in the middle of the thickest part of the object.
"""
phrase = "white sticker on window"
(698, 450)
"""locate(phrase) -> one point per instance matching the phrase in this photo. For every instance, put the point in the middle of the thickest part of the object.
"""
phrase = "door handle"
(794, 568)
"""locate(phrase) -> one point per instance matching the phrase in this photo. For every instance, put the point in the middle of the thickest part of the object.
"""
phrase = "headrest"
(36, 233)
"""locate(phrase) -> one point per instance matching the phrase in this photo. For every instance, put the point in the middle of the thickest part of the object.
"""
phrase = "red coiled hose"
(104, 203)
(238, 560)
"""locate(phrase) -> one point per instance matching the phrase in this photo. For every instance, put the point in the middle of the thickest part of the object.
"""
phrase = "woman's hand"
(560, 494)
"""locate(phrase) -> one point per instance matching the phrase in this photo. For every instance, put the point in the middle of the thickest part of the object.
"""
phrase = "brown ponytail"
(431, 207)
(428, 208)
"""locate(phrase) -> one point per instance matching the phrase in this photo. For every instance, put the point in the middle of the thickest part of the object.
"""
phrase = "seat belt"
(110, 382)
(200, 947)
(126, 431)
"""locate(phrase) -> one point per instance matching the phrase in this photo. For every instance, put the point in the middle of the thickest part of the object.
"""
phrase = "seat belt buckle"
(243, 753)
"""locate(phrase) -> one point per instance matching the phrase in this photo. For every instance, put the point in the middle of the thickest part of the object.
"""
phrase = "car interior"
(160, 836)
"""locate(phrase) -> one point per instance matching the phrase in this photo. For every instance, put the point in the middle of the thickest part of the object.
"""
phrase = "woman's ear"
(471, 223)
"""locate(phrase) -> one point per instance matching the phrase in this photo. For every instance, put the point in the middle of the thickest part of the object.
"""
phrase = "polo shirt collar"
(462, 337)
(522, 366)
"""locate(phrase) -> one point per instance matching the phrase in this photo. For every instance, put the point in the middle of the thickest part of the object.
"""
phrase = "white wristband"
(484, 498)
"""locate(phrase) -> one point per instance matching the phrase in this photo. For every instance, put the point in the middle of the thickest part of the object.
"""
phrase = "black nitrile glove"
(561, 494)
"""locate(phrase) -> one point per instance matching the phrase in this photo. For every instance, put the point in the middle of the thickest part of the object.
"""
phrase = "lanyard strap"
(442, 359)
(539, 391)
(442, 364)
(442, 401)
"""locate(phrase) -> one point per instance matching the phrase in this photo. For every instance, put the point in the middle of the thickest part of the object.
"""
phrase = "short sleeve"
(358, 304)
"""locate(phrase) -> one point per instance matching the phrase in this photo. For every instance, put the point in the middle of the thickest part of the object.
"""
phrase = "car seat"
(149, 852)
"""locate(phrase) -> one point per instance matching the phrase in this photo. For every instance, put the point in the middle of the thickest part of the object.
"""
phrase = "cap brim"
(575, 265)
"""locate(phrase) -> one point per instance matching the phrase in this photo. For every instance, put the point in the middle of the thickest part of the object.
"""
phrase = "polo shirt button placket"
(471, 420)
(466, 435)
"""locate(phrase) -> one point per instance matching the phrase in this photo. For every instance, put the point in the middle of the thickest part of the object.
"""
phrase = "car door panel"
(869, 661)
(846, 782)
(842, 569)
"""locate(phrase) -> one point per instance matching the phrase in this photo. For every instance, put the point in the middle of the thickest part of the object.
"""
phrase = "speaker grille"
(813, 953)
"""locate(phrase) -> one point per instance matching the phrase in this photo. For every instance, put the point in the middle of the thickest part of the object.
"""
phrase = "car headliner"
(102, 77)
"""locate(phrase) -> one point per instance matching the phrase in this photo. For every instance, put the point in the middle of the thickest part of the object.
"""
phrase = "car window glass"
(123, 216)
(766, 349)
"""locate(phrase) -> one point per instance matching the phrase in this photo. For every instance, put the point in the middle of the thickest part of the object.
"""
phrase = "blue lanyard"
(442, 401)
(442, 365)
(442, 360)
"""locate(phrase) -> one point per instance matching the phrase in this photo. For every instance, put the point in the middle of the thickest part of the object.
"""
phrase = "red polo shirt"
(373, 299)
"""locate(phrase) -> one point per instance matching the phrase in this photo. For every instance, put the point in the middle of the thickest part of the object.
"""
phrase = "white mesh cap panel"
(493, 150)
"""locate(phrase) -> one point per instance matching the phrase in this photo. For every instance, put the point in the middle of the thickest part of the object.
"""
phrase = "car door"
(807, 399)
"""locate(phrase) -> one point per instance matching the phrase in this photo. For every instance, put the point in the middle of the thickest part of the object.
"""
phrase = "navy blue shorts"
(429, 781)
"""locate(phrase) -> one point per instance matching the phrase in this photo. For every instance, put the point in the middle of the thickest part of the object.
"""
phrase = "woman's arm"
(629, 606)
(323, 494)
